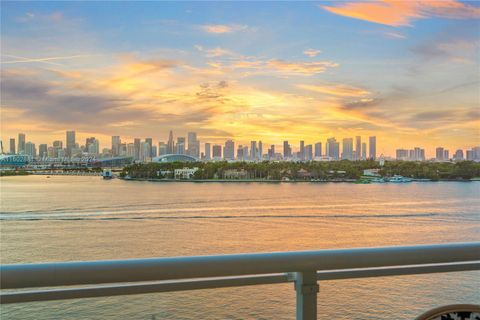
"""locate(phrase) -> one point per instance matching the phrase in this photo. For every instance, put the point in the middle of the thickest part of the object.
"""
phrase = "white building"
(185, 173)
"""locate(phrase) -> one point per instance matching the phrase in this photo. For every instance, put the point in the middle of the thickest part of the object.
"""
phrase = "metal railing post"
(306, 288)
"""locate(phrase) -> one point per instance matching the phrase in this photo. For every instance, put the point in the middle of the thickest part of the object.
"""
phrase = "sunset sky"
(405, 71)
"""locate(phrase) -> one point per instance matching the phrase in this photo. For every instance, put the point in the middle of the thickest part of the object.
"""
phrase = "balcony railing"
(303, 268)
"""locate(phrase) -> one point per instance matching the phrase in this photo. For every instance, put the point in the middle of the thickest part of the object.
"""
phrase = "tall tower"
(170, 143)
(21, 143)
(358, 147)
(70, 142)
(372, 148)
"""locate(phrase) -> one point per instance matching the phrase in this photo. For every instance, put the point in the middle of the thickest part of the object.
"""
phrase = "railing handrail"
(156, 269)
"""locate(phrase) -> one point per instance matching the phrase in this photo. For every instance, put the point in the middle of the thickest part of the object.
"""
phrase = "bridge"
(303, 268)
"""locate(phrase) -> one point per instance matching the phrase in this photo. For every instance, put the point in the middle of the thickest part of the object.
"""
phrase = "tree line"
(344, 169)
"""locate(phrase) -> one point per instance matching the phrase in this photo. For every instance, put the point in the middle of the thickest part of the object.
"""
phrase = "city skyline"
(190, 144)
(306, 71)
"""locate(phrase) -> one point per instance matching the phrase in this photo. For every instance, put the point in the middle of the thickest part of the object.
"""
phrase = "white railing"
(304, 268)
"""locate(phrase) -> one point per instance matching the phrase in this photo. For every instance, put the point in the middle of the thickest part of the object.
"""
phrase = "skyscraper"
(21, 143)
(217, 152)
(171, 143)
(347, 151)
(229, 150)
(458, 155)
(116, 146)
(42, 150)
(30, 149)
(333, 149)
(181, 145)
(364, 151)
(308, 153)
(318, 149)
(287, 151)
(260, 150)
(439, 154)
(136, 146)
(150, 144)
(372, 148)
(358, 147)
(70, 142)
(253, 150)
(12, 146)
(162, 148)
(208, 151)
(302, 150)
(193, 145)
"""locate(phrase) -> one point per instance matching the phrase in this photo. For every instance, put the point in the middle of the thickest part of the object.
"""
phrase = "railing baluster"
(306, 288)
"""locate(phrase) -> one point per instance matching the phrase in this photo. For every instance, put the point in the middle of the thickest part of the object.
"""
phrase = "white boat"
(399, 179)
(107, 174)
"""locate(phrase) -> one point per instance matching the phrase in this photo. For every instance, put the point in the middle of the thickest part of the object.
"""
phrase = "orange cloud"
(222, 28)
(306, 68)
(401, 13)
(340, 90)
(311, 52)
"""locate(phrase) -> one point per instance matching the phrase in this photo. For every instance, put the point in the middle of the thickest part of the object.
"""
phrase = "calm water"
(86, 218)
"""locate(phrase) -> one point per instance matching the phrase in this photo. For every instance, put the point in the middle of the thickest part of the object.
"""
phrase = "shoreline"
(353, 181)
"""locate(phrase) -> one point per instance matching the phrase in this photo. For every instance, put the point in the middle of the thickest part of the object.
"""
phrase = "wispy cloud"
(402, 13)
(305, 68)
(311, 52)
(223, 28)
(336, 89)
(44, 60)
(213, 52)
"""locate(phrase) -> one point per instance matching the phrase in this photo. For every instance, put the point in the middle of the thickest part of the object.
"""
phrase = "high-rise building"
(458, 155)
(402, 154)
(260, 150)
(372, 148)
(136, 145)
(318, 149)
(271, 152)
(217, 152)
(146, 151)
(21, 143)
(131, 152)
(439, 154)
(180, 145)
(93, 147)
(208, 151)
(58, 144)
(170, 143)
(30, 149)
(240, 152)
(446, 155)
(302, 150)
(154, 151)
(358, 147)
(193, 145)
(347, 149)
(88, 142)
(150, 144)
(70, 142)
(42, 150)
(364, 151)
(253, 150)
(229, 150)
(12, 146)
(333, 149)
(287, 150)
(308, 152)
(245, 153)
(116, 145)
(162, 148)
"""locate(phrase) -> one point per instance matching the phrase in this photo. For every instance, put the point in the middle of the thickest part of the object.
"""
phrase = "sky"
(405, 71)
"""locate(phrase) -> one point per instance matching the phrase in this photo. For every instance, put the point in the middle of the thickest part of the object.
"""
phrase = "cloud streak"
(401, 13)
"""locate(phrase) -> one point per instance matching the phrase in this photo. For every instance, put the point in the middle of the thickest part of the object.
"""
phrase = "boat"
(107, 174)
(399, 179)
(378, 180)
